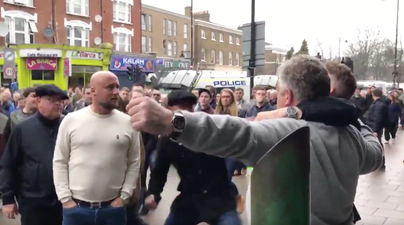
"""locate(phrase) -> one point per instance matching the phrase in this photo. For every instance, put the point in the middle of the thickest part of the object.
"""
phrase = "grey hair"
(305, 76)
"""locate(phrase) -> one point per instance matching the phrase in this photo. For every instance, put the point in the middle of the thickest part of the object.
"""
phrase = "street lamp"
(395, 72)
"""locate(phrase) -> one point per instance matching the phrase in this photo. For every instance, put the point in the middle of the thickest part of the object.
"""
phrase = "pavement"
(379, 198)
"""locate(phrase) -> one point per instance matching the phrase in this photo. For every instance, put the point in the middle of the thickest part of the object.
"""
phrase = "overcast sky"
(288, 22)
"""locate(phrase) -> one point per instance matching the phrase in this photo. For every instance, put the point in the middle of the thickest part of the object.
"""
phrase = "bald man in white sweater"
(96, 160)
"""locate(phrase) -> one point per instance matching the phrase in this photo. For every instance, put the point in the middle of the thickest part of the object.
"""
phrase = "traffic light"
(131, 72)
(138, 73)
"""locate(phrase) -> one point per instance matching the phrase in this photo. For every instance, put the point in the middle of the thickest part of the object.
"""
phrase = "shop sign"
(122, 62)
(40, 53)
(87, 55)
(42, 64)
(67, 67)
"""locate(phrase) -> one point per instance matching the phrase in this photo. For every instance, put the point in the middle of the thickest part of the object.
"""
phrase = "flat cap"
(179, 96)
(50, 90)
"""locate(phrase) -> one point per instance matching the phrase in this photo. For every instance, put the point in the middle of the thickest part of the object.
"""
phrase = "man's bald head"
(98, 78)
(105, 89)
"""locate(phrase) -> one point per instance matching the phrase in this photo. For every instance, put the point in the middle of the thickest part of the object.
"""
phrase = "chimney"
(203, 15)
(187, 11)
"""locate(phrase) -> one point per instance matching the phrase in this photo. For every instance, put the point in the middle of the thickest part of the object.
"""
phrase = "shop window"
(42, 75)
(81, 75)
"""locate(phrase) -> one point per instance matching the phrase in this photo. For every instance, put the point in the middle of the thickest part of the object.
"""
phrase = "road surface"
(380, 195)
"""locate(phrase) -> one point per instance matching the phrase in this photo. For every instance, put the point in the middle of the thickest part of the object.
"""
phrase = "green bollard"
(280, 183)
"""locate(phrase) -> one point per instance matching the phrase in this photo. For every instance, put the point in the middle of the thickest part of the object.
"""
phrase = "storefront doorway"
(81, 75)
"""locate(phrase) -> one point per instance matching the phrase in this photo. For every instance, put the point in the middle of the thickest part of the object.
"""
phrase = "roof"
(144, 6)
(218, 27)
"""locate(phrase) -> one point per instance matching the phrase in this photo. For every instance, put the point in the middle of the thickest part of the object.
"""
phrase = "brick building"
(274, 57)
(216, 44)
(165, 33)
(168, 34)
(65, 41)
(74, 24)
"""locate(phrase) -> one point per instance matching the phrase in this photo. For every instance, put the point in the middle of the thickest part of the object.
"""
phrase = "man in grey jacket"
(336, 152)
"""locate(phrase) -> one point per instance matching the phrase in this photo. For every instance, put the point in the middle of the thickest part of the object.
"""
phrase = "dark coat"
(377, 117)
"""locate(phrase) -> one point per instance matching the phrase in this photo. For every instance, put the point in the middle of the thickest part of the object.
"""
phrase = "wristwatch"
(178, 122)
(291, 112)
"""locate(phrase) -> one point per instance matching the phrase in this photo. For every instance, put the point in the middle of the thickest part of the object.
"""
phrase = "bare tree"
(327, 51)
(371, 54)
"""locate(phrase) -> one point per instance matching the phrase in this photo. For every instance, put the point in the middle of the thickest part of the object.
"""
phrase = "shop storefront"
(120, 63)
(61, 65)
(39, 66)
(83, 65)
(166, 65)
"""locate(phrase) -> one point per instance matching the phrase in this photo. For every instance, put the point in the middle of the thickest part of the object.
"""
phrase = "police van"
(183, 79)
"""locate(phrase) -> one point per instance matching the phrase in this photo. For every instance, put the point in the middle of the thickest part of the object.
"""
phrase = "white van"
(218, 79)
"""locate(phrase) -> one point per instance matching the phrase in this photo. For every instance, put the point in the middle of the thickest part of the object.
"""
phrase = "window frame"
(169, 48)
(83, 4)
(237, 41)
(149, 44)
(230, 39)
(169, 27)
(230, 59)
(213, 56)
(221, 38)
(150, 23)
(164, 26)
(71, 37)
(185, 27)
(175, 28)
(144, 44)
(213, 36)
(237, 59)
(30, 28)
(122, 31)
(185, 50)
(127, 11)
(203, 34)
(221, 59)
(203, 54)
(175, 46)
(143, 22)
(29, 3)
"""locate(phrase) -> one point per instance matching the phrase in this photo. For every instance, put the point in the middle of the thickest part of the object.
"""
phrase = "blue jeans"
(94, 216)
(229, 218)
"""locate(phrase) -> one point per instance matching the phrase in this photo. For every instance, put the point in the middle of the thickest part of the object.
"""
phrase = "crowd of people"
(74, 158)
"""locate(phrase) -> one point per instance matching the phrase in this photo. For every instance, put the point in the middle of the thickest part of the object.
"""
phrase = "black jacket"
(27, 162)
(331, 111)
(204, 182)
(360, 104)
(68, 109)
(378, 114)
